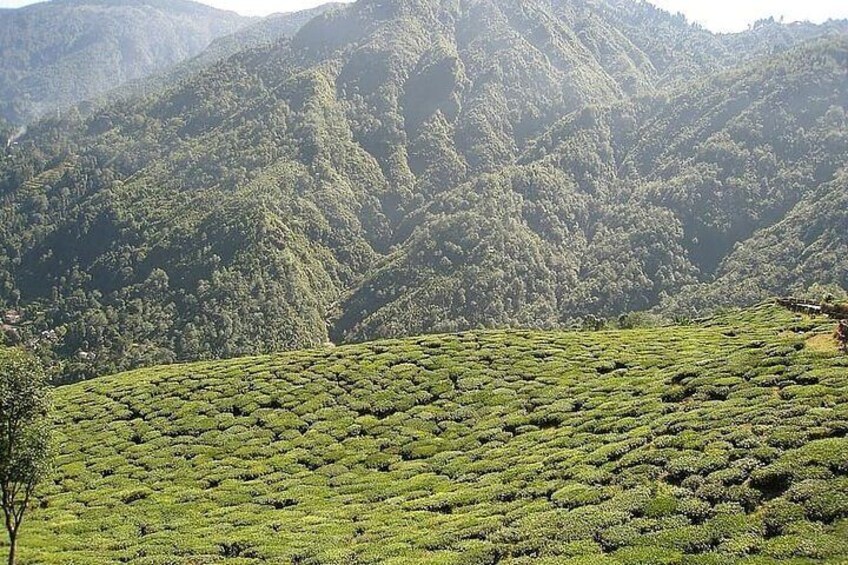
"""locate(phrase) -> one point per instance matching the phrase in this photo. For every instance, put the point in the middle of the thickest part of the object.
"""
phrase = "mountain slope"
(614, 208)
(809, 246)
(722, 442)
(264, 32)
(58, 53)
(409, 167)
(254, 35)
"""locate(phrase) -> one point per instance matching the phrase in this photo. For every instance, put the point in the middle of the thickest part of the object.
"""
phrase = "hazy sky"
(717, 15)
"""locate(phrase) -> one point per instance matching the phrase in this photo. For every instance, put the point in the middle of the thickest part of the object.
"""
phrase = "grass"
(715, 444)
(823, 343)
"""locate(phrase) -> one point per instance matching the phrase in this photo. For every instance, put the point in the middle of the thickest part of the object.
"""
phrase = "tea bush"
(718, 443)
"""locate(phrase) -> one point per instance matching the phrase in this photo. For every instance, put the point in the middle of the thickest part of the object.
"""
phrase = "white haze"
(16, 136)
(717, 15)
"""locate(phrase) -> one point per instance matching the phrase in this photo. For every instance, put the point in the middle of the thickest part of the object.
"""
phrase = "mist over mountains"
(58, 53)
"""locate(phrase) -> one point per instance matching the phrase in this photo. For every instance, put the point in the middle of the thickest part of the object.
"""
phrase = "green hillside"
(718, 443)
(254, 35)
(421, 166)
(58, 53)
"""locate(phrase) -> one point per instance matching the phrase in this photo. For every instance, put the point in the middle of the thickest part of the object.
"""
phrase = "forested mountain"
(261, 33)
(55, 54)
(424, 165)
(614, 208)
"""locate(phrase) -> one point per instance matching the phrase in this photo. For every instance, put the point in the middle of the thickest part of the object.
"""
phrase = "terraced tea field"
(719, 443)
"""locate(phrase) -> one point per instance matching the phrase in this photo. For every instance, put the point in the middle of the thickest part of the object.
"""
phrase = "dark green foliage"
(423, 166)
(470, 448)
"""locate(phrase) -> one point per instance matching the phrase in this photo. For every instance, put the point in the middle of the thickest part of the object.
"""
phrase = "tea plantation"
(713, 444)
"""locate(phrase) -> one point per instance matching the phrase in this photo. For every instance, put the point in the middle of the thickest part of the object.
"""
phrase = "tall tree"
(24, 436)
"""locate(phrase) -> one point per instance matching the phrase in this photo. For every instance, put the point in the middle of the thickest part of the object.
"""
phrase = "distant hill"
(418, 166)
(721, 442)
(261, 33)
(57, 53)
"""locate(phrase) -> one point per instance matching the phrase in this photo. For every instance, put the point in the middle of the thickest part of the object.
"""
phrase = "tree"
(24, 435)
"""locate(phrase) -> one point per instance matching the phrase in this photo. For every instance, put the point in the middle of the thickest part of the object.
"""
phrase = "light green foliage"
(475, 448)
(24, 437)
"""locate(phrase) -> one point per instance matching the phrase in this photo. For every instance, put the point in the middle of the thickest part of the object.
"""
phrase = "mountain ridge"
(415, 167)
(60, 53)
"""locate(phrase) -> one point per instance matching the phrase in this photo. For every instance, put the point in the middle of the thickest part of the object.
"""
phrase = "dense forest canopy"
(58, 53)
(431, 165)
